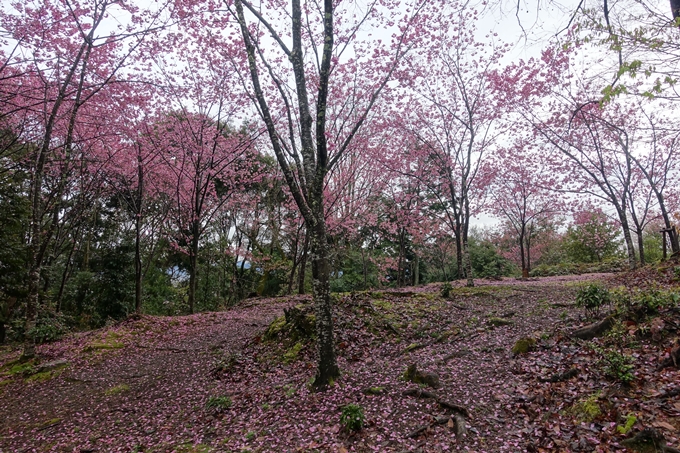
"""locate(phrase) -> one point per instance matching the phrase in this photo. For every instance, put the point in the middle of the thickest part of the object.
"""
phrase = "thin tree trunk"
(416, 270)
(303, 265)
(193, 268)
(328, 369)
(468, 265)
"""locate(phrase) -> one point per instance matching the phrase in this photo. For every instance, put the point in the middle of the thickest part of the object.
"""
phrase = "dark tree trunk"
(675, 9)
(303, 266)
(193, 266)
(328, 369)
(138, 233)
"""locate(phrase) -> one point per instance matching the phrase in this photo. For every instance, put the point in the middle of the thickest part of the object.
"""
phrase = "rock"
(49, 366)
(523, 345)
(500, 322)
(416, 376)
(594, 330)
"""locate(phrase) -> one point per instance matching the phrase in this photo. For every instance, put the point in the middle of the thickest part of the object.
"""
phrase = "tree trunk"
(328, 369)
(468, 265)
(628, 239)
(641, 246)
(459, 254)
(193, 268)
(416, 270)
(138, 233)
(303, 265)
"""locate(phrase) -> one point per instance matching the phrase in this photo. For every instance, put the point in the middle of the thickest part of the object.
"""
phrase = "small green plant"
(587, 410)
(627, 426)
(446, 290)
(218, 403)
(250, 436)
(352, 417)
(289, 389)
(618, 366)
(592, 297)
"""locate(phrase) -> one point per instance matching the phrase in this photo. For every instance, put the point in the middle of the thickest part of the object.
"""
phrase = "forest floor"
(223, 382)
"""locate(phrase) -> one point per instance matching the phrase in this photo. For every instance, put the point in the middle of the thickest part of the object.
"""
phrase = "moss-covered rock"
(416, 376)
(523, 345)
(275, 329)
(298, 323)
(500, 322)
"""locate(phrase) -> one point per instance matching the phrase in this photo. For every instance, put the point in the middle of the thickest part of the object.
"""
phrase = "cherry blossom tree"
(319, 68)
(521, 194)
(452, 121)
(205, 162)
(68, 59)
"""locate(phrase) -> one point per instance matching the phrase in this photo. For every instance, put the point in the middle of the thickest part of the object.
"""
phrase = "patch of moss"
(117, 390)
(275, 328)
(40, 377)
(292, 354)
(48, 423)
(627, 426)
(384, 304)
(586, 410)
(499, 322)
(523, 345)
(25, 368)
(411, 347)
(443, 336)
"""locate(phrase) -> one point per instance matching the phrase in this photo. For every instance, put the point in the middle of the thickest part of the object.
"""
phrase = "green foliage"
(49, 326)
(292, 354)
(485, 260)
(218, 403)
(627, 426)
(587, 410)
(445, 290)
(355, 271)
(617, 366)
(640, 303)
(652, 242)
(592, 239)
(352, 417)
(592, 297)
(546, 270)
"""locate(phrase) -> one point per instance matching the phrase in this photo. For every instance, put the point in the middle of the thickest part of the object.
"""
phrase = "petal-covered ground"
(220, 382)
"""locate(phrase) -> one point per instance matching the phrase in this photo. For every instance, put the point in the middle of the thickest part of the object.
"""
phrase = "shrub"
(446, 290)
(49, 326)
(618, 366)
(352, 417)
(218, 403)
(591, 297)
